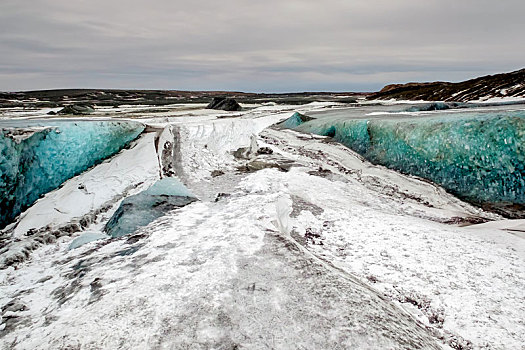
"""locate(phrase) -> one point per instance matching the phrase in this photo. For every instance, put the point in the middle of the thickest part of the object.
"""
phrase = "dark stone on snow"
(265, 150)
(221, 195)
(225, 104)
(249, 152)
(11, 318)
(257, 165)
(243, 153)
(77, 109)
(14, 306)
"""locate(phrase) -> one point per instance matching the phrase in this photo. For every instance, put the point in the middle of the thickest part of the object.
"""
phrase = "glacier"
(37, 157)
(141, 209)
(332, 252)
(477, 156)
(441, 106)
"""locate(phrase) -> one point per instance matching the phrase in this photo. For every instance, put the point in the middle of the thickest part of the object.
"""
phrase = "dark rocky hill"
(499, 85)
(103, 97)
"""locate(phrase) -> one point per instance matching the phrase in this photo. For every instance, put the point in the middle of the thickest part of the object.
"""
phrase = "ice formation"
(477, 156)
(295, 120)
(86, 238)
(434, 106)
(441, 106)
(141, 209)
(39, 160)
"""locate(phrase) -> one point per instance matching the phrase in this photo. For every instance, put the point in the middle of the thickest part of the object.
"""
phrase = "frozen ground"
(318, 249)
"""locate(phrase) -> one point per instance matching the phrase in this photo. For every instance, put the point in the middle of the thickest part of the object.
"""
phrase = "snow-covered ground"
(318, 249)
(463, 281)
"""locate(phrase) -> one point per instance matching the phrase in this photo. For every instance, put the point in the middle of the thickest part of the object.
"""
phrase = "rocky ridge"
(479, 89)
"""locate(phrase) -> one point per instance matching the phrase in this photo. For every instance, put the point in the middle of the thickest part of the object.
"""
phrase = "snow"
(515, 227)
(205, 147)
(232, 282)
(411, 259)
(506, 99)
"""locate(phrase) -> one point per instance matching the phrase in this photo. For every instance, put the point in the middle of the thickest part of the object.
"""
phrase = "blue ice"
(139, 210)
(477, 156)
(42, 161)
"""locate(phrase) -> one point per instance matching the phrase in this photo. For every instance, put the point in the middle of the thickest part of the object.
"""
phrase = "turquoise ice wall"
(40, 163)
(477, 156)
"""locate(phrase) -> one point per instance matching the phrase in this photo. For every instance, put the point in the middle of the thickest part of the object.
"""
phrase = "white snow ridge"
(296, 242)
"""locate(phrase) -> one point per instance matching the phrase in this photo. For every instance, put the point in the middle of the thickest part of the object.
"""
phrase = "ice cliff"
(35, 160)
(476, 156)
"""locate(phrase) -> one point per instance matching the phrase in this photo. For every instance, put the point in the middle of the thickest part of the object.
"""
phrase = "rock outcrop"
(225, 104)
(490, 86)
(77, 109)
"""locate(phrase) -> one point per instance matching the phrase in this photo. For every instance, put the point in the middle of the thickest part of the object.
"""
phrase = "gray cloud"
(253, 45)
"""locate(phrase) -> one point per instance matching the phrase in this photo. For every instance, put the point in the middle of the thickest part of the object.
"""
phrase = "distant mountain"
(105, 97)
(499, 85)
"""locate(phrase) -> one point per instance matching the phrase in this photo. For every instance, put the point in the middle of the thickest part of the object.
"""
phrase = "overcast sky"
(255, 45)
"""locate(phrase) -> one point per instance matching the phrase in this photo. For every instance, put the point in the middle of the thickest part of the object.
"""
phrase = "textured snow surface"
(465, 281)
(319, 249)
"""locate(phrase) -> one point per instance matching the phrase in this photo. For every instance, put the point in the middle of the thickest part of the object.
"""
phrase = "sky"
(255, 46)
